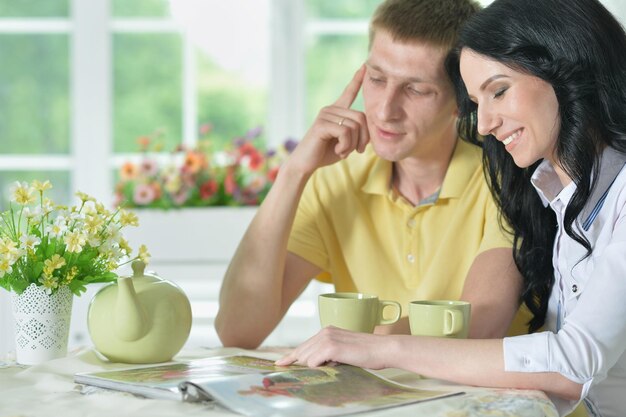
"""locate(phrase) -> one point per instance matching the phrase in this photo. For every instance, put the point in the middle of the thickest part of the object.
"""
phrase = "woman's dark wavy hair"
(578, 47)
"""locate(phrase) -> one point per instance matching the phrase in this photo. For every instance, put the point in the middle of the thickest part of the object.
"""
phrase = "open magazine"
(256, 387)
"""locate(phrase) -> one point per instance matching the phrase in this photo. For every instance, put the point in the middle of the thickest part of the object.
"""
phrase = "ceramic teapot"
(139, 319)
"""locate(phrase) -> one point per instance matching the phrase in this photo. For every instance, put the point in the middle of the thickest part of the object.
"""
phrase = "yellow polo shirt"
(368, 239)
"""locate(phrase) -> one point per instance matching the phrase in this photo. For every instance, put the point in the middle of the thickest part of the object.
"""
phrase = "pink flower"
(149, 167)
(144, 194)
(180, 197)
(206, 128)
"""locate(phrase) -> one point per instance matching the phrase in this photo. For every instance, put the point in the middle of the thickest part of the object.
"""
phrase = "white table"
(48, 390)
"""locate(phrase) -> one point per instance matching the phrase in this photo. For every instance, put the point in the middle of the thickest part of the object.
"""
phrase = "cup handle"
(453, 322)
(385, 303)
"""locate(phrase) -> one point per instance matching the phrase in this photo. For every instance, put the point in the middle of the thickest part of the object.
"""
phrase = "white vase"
(42, 324)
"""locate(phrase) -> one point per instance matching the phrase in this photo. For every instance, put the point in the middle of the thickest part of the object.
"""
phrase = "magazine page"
(161, 381)
(310, 392)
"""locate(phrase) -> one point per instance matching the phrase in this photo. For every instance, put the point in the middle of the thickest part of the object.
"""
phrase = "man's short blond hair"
(436, 22)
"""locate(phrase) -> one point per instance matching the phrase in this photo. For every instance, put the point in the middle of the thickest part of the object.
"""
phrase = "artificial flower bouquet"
(237, 174)
(52, 246)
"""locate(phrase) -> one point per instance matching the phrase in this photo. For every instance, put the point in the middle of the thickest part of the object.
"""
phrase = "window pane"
(229, 102)
(34, 94)
(34, 8)
(140, 8)
(60, 193)
(147, 89)
(341, 9)
(344, 54)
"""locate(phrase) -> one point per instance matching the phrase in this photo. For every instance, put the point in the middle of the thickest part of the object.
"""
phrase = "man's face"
(409, 101)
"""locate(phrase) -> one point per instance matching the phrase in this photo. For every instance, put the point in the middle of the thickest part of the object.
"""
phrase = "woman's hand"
(332, 344)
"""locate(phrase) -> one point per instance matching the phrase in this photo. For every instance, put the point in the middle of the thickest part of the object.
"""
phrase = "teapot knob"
(138, 268)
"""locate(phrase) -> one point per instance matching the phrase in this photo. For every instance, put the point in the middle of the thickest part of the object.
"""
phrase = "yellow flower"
(41, 186)
(93, 224)
(8, 248)
(144, 255)
(56, 262)
(5, 266)
(49, 283)
(22, 194)
(128, 218)
(125, 246)
(84, 197)
(71, 274)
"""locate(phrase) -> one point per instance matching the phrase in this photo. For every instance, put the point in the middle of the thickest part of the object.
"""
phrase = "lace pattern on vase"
(42, 323)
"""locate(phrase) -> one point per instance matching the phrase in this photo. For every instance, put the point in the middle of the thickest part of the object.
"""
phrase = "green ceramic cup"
(441, 318)
(355, 311)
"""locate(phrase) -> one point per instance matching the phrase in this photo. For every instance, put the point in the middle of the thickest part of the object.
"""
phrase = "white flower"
(90, 208)
(47, 206)
(106, 246)
(32, 214)
(113, 232)
(56, 229)
(223, 159)
(75, 241)
(29, 242)
(93, 240)
(22, 193)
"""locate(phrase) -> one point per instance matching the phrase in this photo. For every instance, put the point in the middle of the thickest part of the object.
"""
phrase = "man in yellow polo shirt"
(387, 201)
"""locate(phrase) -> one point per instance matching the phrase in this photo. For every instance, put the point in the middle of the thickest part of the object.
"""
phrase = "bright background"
(80, 80)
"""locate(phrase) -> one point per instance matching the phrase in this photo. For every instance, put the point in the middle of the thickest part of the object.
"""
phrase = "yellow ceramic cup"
(355, 311)
(441, 318)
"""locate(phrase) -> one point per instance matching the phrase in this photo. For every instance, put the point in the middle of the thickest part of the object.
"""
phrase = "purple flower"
(239, 141)
(254, 132)
(270, 153)
(290, 144)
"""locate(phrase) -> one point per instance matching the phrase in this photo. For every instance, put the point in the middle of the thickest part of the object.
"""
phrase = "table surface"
(48, 388)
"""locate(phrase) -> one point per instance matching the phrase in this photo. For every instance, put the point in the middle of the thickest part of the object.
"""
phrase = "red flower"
(272, 174)
(230, 185)
(208, 189)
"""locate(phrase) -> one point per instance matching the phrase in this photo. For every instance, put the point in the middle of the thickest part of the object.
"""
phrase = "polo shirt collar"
(462, 166)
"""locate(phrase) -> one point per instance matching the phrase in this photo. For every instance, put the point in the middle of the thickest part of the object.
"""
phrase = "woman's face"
(519, 110)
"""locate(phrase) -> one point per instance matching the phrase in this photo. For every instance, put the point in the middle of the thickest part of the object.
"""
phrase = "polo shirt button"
(410, 258)
(526, 361)
(574, 288)
(411, 223)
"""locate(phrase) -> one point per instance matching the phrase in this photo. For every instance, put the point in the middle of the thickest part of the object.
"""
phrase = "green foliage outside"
(331, 63)
(341, 9)
(147, 79)
(34, 94)
(34, 8)
(139, 8)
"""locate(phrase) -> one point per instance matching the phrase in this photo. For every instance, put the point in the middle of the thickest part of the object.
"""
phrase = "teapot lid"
(139, 269)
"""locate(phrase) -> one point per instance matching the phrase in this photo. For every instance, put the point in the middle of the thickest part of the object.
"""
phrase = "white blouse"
(586, 319)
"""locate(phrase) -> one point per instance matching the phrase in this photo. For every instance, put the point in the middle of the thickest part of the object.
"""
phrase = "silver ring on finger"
(343, 119)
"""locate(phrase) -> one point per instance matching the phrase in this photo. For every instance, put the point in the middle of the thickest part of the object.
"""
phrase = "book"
(256, 387)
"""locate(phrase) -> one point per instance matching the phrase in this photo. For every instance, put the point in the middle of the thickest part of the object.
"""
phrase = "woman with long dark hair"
(541, 84)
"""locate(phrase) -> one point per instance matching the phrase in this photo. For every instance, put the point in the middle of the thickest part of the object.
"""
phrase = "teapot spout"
(131, 320)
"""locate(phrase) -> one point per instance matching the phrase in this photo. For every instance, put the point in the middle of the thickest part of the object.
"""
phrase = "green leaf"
(20, 285)
(77, 287)
(37, 269)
